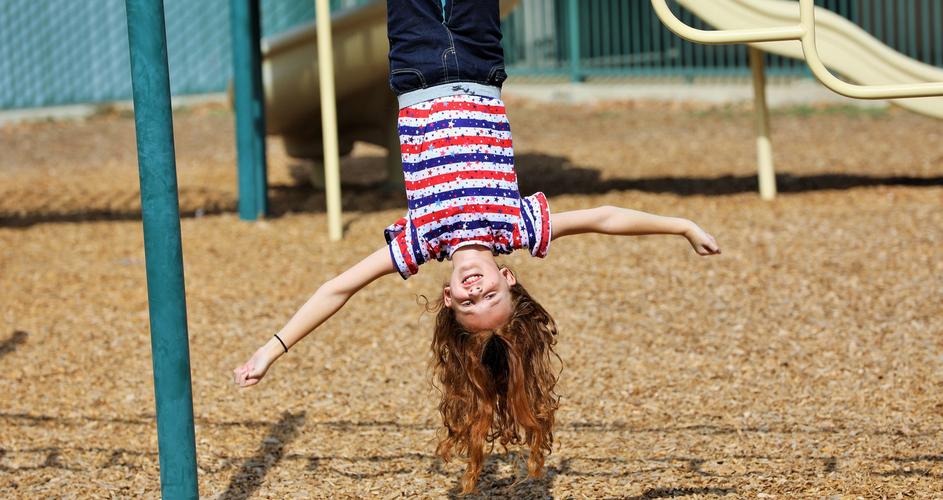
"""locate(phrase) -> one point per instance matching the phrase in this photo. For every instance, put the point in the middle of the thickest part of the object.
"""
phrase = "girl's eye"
(491, 295)
(466, 303)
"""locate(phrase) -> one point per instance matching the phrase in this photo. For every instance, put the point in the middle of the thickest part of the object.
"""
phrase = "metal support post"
(332, 177)
(764, 148)
(250, 108)
(573, 27)
(163, 251)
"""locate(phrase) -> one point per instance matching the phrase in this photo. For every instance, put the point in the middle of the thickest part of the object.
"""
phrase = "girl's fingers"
(241, 374)
(248, 374)
(707, 249)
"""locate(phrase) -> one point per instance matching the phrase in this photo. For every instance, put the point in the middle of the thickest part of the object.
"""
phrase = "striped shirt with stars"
(461, 187)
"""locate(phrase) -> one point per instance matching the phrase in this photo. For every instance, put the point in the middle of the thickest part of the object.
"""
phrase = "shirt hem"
(448, 89)
(470, 242)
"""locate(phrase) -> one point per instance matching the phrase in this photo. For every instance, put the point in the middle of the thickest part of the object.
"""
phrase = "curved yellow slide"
(366, 107)
(292, 88)
(845, 48)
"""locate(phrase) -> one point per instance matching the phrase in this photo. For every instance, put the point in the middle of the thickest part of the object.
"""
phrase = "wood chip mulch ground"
(805, 362)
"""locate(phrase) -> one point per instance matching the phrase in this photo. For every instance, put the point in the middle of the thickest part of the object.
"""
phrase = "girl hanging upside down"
(492, 344)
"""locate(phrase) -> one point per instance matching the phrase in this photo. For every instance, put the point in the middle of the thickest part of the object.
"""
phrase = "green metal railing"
(583, 39)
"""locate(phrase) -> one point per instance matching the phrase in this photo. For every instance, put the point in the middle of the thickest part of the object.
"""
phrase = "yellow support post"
(332, 177)
(764, 147)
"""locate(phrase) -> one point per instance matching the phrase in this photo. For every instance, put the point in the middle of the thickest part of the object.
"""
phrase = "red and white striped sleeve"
(400, 240)
(535, 215)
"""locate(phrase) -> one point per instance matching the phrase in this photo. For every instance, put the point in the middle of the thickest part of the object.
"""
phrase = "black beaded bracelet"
(282, 343)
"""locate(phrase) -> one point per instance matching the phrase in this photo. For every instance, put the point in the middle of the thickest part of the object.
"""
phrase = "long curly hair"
(497, 385)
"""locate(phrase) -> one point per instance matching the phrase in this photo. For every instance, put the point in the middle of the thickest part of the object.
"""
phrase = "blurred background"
(57, 52)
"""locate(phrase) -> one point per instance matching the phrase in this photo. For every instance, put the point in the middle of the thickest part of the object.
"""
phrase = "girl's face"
(480, 293)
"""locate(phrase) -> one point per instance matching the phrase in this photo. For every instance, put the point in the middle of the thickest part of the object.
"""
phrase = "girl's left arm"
(628, 222)
(327, 300)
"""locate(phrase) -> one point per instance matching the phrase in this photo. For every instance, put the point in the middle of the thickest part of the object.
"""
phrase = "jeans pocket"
(450, 64)
(497, 75)
(406, 79)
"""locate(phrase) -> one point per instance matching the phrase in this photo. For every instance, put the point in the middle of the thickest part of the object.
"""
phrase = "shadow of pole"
(9, 345)
(253, 470)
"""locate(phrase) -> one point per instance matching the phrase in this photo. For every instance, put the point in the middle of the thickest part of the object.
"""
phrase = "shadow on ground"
(271, 450)
(10, 344)
(517, 485)
(680, 492)
(554, 175)
(250, 471)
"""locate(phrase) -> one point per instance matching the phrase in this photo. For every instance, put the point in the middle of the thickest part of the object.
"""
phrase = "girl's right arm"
(628, 222)
(326, 301)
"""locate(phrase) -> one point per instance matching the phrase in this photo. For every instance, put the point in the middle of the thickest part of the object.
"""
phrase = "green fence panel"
(624, 38)
(55, 52)
(66, 51)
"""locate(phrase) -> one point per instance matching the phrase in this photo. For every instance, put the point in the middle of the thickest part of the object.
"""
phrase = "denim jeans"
(434, 43)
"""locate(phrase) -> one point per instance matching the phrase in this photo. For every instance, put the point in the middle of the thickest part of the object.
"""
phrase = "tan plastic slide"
(366, 107)
(845, 48)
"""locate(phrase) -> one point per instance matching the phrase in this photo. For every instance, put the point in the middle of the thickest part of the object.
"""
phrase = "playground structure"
(279, 89)
(292, 89)
(882, 73)
(159, 192)
(841, 46)
(366, 109)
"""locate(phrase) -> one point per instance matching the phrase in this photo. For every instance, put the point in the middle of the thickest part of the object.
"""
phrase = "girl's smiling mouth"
(471, 279)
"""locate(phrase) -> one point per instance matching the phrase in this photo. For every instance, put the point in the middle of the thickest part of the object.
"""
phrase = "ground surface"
(803, 362)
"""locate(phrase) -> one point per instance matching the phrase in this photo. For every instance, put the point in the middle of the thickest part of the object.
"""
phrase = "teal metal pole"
(162, 248)
(250, 108)
(573, 27)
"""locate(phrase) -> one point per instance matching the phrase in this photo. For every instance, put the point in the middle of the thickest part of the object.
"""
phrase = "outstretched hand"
(252, 371)
(703, 243)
